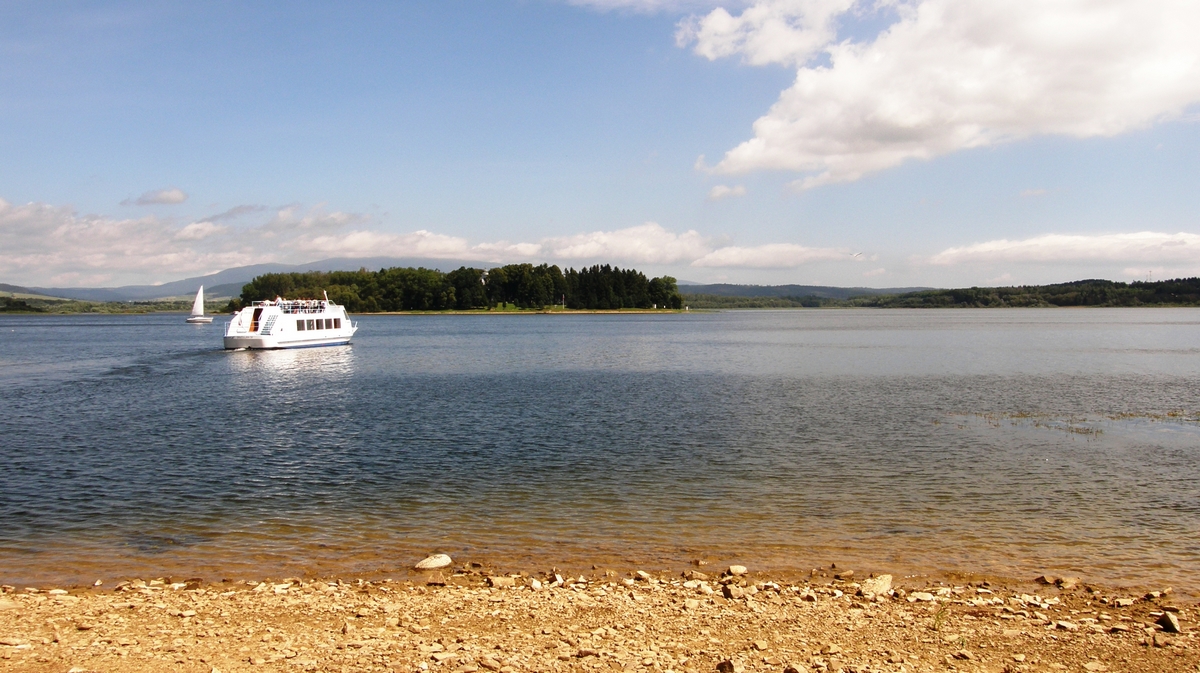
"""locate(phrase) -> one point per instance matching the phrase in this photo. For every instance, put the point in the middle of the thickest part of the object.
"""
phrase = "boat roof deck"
(297, 305)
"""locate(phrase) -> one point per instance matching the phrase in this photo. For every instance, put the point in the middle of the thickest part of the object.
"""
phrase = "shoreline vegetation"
(525, 288)
(473, 618)
(1092, 293)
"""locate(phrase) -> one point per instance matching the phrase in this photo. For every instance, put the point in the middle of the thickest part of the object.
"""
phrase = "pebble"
(434, 562)
(502, 582)
(923, 596)
(737, 570)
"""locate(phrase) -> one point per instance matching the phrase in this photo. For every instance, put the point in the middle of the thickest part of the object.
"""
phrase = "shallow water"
(1011, 442)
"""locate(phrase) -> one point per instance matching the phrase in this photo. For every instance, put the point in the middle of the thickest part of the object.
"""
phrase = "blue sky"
(765, 142)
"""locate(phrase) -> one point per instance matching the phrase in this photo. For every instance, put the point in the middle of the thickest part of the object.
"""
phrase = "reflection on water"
(295, 365)
(1014, 442)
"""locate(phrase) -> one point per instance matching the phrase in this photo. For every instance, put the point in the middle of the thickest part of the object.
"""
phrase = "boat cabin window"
(329, 323)
(311, 325)
(337, 323)
(300, 325)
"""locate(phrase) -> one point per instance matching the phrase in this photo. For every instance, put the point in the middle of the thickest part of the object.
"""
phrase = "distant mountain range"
(228, 283)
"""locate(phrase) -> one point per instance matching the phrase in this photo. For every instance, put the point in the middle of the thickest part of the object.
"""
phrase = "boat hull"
(256, 342)
(200, 319)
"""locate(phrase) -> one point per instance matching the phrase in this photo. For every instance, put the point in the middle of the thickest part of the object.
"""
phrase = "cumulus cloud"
(198, 231)
(296, 218)
(781, 31)
(770, 256)
(45, 244)
(651, 6)
(950, 75)
(1144, 246)
(170, 196)
(719, 192)
(648, 243)
(374, 243)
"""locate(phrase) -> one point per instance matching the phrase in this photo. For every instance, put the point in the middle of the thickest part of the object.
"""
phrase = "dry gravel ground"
(469, 622)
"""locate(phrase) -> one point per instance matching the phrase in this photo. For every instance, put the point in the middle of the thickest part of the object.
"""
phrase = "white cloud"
(45, 244)
(719, 192)
(293, 217)
(874, 272)
(781, 31)
(651, 6)
(648, 243)
(378, 243)
(951, 75)
(1034, 192)
(197, 231)
(770, 256)
(236, 212)
(170, 196)
(1145, 246)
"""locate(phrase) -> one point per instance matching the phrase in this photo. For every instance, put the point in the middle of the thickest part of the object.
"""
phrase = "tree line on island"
(517, 285)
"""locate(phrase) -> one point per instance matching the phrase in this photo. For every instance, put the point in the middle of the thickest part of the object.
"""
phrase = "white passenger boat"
(197, 316)
(289, 323)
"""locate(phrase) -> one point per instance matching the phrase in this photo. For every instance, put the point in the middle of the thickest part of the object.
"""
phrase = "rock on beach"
(876, 585)
(434, 562)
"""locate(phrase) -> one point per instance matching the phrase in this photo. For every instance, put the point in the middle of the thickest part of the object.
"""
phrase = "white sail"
(198, 305)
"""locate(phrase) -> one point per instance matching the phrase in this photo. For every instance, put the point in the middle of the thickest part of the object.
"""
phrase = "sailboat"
(197, 316)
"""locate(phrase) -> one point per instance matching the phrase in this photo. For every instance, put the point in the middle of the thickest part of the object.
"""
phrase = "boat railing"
(296, 306)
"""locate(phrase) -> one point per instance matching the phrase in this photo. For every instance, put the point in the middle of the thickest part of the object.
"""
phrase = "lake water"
(1011, 442)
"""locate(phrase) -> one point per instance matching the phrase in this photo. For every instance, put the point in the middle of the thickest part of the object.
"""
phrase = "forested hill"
(1178, 292)
(421, 289)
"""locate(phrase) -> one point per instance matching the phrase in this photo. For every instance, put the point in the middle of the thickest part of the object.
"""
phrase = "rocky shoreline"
(471, 619)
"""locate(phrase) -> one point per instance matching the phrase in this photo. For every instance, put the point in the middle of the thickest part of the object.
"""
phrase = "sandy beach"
(471, 619)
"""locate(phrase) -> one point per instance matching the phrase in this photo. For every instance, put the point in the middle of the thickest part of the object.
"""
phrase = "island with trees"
(520, 286)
